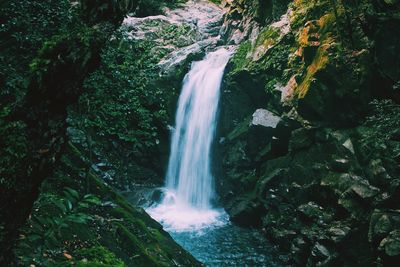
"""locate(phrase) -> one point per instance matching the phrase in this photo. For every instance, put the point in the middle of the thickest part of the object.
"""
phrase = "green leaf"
(60, 205)
(33, 237)
(92, 199)
(71, 194)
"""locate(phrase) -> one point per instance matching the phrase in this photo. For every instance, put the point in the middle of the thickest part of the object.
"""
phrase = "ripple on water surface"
(213, 239)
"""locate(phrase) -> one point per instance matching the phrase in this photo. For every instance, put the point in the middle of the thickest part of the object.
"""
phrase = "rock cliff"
(309, 125)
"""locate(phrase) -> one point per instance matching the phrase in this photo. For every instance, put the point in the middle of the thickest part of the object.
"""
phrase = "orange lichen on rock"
(316, 34)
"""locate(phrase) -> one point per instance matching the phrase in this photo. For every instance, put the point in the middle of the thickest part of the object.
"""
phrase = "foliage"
(24, 26)
(114, 233)
(216, 1)
(49, 227)
(240, 60)
(95, 256)
(384, 125)
(304, 10)
(268, 37)
(120, 100)
(151, 7)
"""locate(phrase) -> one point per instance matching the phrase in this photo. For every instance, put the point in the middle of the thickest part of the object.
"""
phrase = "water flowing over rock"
(190, 183)
(189, 172)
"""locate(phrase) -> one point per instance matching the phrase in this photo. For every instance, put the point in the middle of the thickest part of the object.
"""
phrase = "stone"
(338, 234)
(364, 190)
(320, 251)
(391, 244)
(299, 250)
(382, 223)
(271, 179)
(265, 118)
(340, 165)
(378, 172)
(383, 226)
(301, 139)
(260, 134)
(287, 92)
(313, 211)
(322, 135)
(348, 144)
(246, 212)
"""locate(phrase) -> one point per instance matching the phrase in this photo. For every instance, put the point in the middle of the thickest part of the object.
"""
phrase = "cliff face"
(308, 155)
(55, 209)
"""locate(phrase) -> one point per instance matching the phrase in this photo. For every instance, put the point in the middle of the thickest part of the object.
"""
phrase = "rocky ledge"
(307, 155)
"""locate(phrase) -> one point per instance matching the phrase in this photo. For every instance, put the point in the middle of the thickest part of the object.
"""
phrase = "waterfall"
(189, 181)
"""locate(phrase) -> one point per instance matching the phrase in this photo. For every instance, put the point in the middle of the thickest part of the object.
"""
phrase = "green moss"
(95, 256)
(304, 10)
(240, 59)
(268, 37)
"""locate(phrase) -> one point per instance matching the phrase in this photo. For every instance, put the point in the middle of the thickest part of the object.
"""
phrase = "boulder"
(265, 118)
(338, 233)
(246, 212)
(300, 251)
(301, 139)
(390, 245)
(382, 223)
(340, 165)
(262, 127)
(314, 212)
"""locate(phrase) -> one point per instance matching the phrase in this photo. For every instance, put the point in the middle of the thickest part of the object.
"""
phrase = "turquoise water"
(228, 245)
(219, 243)
(184, 207)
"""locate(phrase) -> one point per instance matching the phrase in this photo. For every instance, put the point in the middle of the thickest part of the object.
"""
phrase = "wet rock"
(246, 212)
(184, 56)
(319, 251)
(340, 165)
(300, 250)
(378, 173)
(322, 135)
(301, 139)
(283, 237)
(270, 180)
(348, 144)
(158, 195)
(383, 226)
(364, 190)
(358, 197)
(338, 233)
(260, 134)
(314, 212)
(391, 244)
(382, 223)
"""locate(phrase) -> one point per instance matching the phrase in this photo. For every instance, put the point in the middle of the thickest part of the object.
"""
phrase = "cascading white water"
(190, 184)
(189, 173)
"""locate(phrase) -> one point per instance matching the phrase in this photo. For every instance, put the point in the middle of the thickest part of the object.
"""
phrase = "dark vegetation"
(55, 210)
(83, 113)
